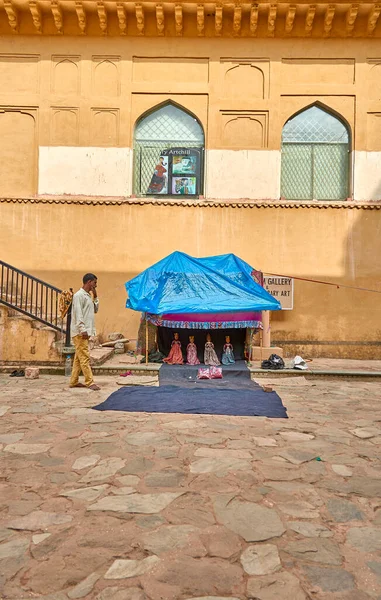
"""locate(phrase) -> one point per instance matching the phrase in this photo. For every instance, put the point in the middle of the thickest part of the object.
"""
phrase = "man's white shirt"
(82, 313)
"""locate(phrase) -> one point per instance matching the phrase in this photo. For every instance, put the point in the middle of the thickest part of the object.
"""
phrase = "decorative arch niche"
(18, 149)
(245, 79)
(106, 76)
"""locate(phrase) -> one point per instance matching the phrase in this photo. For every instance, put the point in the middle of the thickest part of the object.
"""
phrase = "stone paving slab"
(134, 506)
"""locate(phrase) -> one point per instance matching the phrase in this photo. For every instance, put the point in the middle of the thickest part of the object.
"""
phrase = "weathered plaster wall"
(251, 174)
(60, 242)
(68, 108)
(367, 179)
(78, 170)
(61, 92)
(24, 340)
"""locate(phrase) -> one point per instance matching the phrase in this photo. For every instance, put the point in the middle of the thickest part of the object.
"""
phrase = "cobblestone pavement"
(121, 506)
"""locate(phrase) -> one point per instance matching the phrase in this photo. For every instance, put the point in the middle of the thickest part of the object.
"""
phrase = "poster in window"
(184, 186)
(184, 165)
(184, 171)
(159, 181)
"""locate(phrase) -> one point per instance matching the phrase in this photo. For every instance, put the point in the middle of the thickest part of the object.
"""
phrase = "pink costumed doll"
(192, 352)
(175, 356)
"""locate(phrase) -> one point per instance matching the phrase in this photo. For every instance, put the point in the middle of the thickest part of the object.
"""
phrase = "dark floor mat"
(196, 400)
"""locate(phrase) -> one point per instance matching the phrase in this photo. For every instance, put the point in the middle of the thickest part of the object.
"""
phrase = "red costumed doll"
(175, 356)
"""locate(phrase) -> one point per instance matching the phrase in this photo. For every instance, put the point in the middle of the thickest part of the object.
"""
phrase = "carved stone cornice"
(12, 16)
(160, 19)
(310, 16)
(102, 15)
(218, 19)
(122, 18)
(194, 18)
(373, 18)
(351, 18)
(81, 16)
(139, 12)
(179, 19)
(57, 16)
(254, 19)
(36, 15)
(289, 23)
(200, 19)
(328, 18)
(273, 9)
(237, 19)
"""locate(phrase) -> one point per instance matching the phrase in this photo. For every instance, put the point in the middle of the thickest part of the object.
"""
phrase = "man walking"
(82, 328)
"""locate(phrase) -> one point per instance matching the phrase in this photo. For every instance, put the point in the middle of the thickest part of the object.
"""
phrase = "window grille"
(165, 128)
(315, 157)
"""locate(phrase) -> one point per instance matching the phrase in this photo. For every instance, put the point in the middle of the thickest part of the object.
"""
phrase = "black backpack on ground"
(274, 363)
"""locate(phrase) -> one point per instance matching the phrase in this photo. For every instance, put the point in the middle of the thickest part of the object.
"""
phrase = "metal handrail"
(2, 263)
(31, 296)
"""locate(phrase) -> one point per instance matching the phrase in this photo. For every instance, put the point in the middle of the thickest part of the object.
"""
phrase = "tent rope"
(337, 285)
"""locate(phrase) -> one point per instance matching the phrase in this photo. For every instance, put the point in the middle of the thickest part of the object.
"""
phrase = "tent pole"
(261, 342)
(251, 344)
(266, 328)
(146, 341)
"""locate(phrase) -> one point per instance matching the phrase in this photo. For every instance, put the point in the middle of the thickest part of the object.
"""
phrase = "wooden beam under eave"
(139, 13)
(122, 18)
(271, 20)
(310, 16)
(290, 17)
(254, 15)
(373, 18)
(351, 18)
(57, 16)
(160, 19)
(36, 15)
(81, 16)
(179, 19)
(328, 19)
(218, 20)
(200, 20)
(12, 16)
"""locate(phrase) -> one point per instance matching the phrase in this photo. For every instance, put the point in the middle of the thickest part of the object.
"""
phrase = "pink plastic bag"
(215, 373)
(203, 374)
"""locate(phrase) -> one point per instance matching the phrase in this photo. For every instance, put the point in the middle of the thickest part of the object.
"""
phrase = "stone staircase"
(31, 329)
(24, 340)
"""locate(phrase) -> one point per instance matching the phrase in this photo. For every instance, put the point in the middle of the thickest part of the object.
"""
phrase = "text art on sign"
(282, 288)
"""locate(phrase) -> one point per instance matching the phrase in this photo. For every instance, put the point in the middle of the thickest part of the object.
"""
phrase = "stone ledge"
(202, 202)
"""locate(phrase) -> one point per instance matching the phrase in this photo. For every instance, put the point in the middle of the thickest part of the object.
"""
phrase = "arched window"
(315, 157)
(168, 153)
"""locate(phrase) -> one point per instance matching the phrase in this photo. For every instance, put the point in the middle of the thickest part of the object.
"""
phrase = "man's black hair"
(89, 277)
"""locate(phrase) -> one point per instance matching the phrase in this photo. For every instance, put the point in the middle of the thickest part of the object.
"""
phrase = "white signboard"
(282, 288)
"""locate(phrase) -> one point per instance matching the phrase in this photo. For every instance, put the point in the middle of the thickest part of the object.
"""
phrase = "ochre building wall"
(69, 105)
(60, 242)
(68, 108)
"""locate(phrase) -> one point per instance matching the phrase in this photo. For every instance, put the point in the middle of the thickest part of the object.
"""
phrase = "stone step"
(98, 356)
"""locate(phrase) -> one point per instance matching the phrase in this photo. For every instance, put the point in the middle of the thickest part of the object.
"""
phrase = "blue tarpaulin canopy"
(186, 286)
